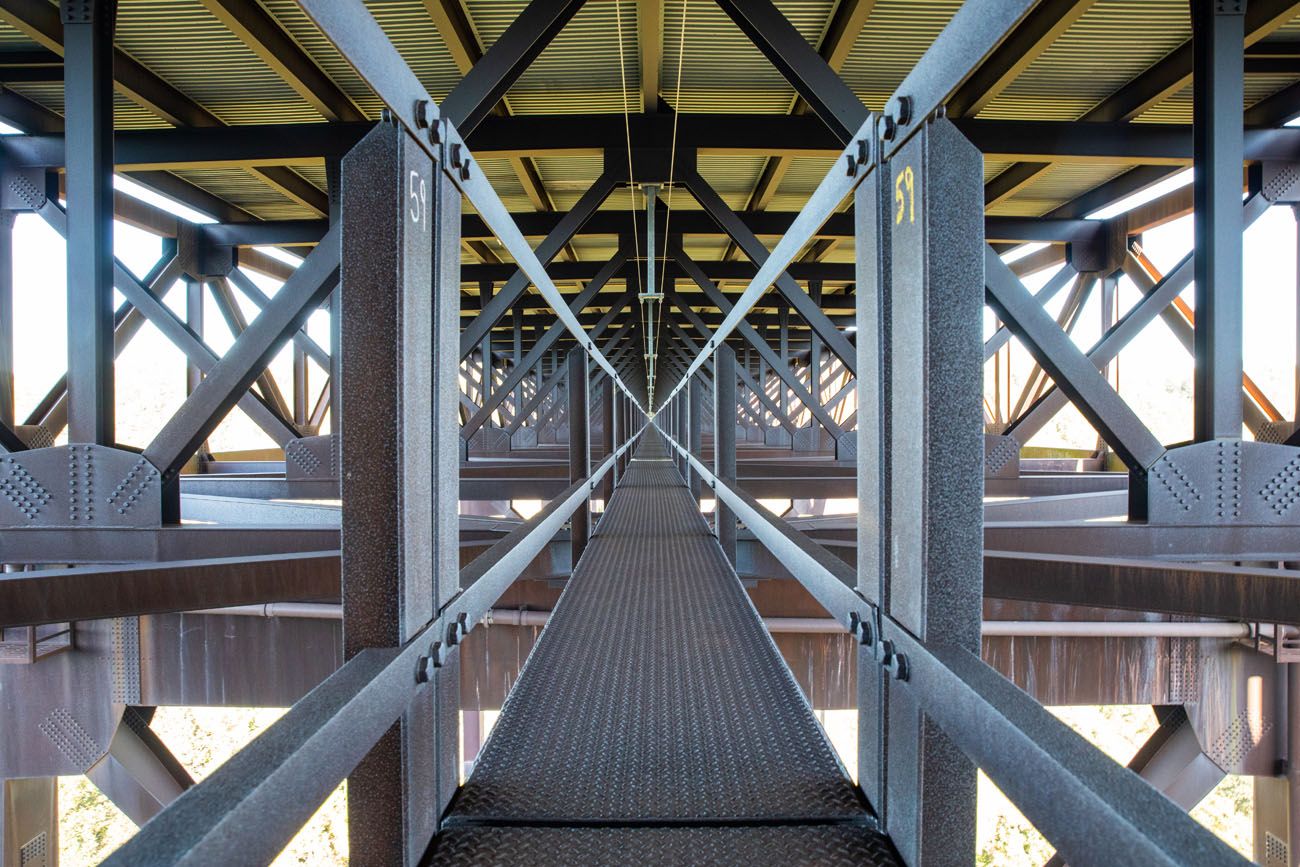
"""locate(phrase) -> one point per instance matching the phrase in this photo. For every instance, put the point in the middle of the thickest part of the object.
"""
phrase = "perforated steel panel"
(655, 697)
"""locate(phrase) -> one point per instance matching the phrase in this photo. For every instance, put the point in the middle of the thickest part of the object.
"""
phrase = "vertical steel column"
(1295, 406)
(1293, 765)
(7, 318)
(29, 814)
(399, 292)
(724, 442)
(919, 333)
(300, 398)
(485, 347)
(684, 433)
(1217, 88)
(334, 186)
(783, 322)
(194, 319)
(618, 433)
(762, 383)
(88, 106)
(695, 440)
(815, 360)
(608, 438)
(579, 447)
(683, 428)
(517, 348)
(627, 428)
(1109, 285)
(871, 200)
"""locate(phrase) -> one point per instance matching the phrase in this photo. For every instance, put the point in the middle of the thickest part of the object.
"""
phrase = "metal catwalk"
(655, 721)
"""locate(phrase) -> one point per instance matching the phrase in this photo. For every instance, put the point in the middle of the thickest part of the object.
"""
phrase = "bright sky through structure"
(1154, 371)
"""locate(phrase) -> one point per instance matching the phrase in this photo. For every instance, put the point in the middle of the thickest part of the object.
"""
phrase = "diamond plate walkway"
(654, 721)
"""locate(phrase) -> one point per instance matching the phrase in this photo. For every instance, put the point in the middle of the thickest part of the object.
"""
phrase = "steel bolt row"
(889, 658)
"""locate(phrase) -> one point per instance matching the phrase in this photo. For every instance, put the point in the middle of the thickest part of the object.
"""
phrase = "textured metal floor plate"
(655, 694)
(824, 845)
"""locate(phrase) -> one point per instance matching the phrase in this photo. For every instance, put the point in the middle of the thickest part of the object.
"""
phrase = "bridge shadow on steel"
(655, 720)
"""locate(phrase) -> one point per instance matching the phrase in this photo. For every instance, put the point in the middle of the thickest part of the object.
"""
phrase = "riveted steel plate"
(787, 845)
(655, 694)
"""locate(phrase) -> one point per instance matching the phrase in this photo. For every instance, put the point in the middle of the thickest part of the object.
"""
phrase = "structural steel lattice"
(797, 315)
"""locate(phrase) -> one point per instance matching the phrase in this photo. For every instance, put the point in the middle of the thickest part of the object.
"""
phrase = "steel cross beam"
(558, 374)
(97, 592)
(1043, 296)
(782, 370)
(483, 86)
(1175, 317)
(230, 377)
(818, 210)
(300, 338)
(1066, 320)
(1141, 315)
(1167, 76)
(1073, 373)
(805, 70)
(161, 316)
(555, 240)
(542, 345)
(148, 154)
(52, 411)
(230, 311)
(746, 378)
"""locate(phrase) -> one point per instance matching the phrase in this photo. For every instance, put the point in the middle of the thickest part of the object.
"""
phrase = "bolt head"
(888, 127)
(905, 110)
(425, 116)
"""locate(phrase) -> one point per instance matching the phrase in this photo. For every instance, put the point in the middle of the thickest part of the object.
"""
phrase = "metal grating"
(828, 845)
(655, 695)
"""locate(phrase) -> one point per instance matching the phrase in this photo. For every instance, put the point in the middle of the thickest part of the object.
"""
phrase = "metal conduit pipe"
(826, 625)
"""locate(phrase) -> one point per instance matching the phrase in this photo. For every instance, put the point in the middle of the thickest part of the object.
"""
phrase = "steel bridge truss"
(415, 383)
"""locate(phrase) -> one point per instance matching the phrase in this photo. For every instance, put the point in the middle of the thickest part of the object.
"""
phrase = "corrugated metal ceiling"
(721, 72)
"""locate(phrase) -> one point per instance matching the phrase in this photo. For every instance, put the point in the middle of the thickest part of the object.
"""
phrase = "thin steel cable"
(672, 164)
(627, 129)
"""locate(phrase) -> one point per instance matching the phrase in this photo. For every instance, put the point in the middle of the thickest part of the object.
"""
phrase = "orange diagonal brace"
(1255, 392)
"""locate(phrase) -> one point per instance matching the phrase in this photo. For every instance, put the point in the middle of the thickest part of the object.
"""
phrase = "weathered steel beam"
(1230, 592)
(97, 592)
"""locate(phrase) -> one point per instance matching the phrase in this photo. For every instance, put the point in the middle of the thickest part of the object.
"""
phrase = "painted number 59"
(418, 203)
(905, 196)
